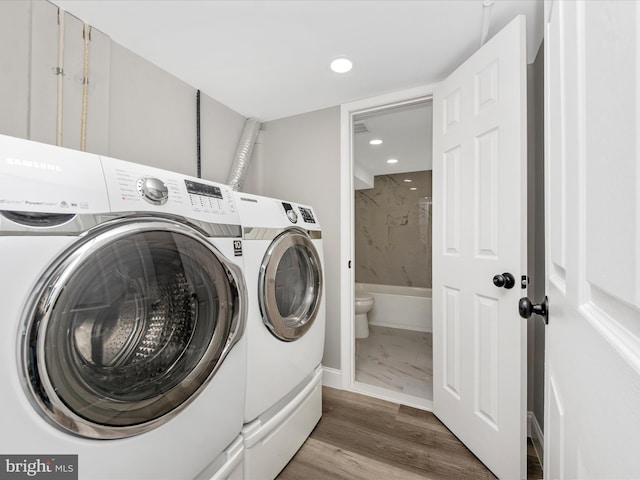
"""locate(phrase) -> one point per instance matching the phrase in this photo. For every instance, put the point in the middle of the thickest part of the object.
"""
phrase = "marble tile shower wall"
(393, 231)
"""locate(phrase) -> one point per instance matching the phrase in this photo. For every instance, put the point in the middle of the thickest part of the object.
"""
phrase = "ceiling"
(269, 59)
(406, 135)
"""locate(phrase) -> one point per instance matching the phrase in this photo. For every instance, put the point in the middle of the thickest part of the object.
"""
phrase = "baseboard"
(332, 377)
(534, 432)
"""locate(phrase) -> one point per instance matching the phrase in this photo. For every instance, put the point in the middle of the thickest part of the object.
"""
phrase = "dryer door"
(129, 325)
(290, 285)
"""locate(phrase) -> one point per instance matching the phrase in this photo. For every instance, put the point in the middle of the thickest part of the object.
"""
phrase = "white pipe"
(86, 34)
(486, 20)
(60, 73)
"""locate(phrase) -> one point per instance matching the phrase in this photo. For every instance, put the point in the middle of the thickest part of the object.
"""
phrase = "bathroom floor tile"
(400, 360)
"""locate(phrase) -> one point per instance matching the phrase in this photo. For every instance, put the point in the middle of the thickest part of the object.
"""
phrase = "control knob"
(153, 190)
(292, 216)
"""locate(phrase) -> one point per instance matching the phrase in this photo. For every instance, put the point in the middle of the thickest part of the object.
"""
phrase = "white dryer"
(124, 316)
(283, 257)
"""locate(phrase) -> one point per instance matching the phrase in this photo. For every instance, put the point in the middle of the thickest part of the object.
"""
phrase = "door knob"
(527, 308)
(505, 280)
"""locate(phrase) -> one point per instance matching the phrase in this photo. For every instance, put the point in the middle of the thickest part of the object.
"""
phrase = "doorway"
(392, 151)
(389, 217)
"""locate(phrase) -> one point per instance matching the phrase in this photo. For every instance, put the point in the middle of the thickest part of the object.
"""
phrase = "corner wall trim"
(332, 377)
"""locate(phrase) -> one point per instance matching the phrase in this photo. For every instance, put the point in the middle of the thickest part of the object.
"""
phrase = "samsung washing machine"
(283, 257)
(124, 310)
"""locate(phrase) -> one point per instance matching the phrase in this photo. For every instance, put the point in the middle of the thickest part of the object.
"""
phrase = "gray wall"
(15, 25)
(536, 250)
(301, 156)
(135, 110)
(152, 114)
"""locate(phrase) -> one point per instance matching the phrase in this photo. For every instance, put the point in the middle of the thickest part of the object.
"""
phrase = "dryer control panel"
(307, 215)
(295, 213)
(265, 212)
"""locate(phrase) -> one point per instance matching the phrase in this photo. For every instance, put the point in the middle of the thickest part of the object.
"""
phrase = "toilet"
(363, 303)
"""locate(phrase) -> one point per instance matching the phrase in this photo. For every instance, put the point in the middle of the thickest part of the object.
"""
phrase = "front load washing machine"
(124, 311)
(282, 252)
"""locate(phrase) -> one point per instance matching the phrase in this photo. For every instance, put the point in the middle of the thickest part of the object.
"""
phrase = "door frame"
(347, 235)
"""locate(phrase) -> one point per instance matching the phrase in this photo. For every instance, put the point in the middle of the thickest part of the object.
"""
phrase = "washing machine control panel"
(197, 188)
(204, 197)
(141, 188)
(153, 190)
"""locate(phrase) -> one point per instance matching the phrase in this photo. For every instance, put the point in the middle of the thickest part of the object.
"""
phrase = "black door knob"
(528, 308)
(505, 280)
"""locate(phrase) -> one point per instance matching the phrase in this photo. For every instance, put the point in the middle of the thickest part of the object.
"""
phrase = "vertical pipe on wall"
(60, 74)
(198, 151)
(86, 36)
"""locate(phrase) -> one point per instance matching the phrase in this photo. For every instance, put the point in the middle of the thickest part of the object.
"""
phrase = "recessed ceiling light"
(341, 65)
(375, 141)
(408, 180)
(413, 188)
(392, 160)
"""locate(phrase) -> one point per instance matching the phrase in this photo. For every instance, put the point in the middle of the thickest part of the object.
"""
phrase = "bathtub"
(408, 308)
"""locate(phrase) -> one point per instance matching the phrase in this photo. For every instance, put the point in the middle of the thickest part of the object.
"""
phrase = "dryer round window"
(128, 326)
(290, 285)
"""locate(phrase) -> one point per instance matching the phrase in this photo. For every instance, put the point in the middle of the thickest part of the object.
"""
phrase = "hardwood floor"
(360, 437)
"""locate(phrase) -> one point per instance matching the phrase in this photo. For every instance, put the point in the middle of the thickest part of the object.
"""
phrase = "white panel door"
(592, 197)
(479, 344)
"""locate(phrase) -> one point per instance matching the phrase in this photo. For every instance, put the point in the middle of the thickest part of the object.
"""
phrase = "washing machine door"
(290, 285)
(129, 325)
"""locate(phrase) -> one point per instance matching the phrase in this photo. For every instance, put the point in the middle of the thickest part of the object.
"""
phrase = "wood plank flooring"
(363, 438)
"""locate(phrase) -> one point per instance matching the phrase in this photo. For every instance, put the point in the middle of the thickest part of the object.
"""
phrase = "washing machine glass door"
(129, 325)
(290, 285)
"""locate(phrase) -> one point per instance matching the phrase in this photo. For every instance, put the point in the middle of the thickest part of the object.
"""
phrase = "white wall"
(301, 162)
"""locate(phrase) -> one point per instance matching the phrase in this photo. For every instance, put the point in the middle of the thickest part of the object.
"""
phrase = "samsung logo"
(30, 164)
